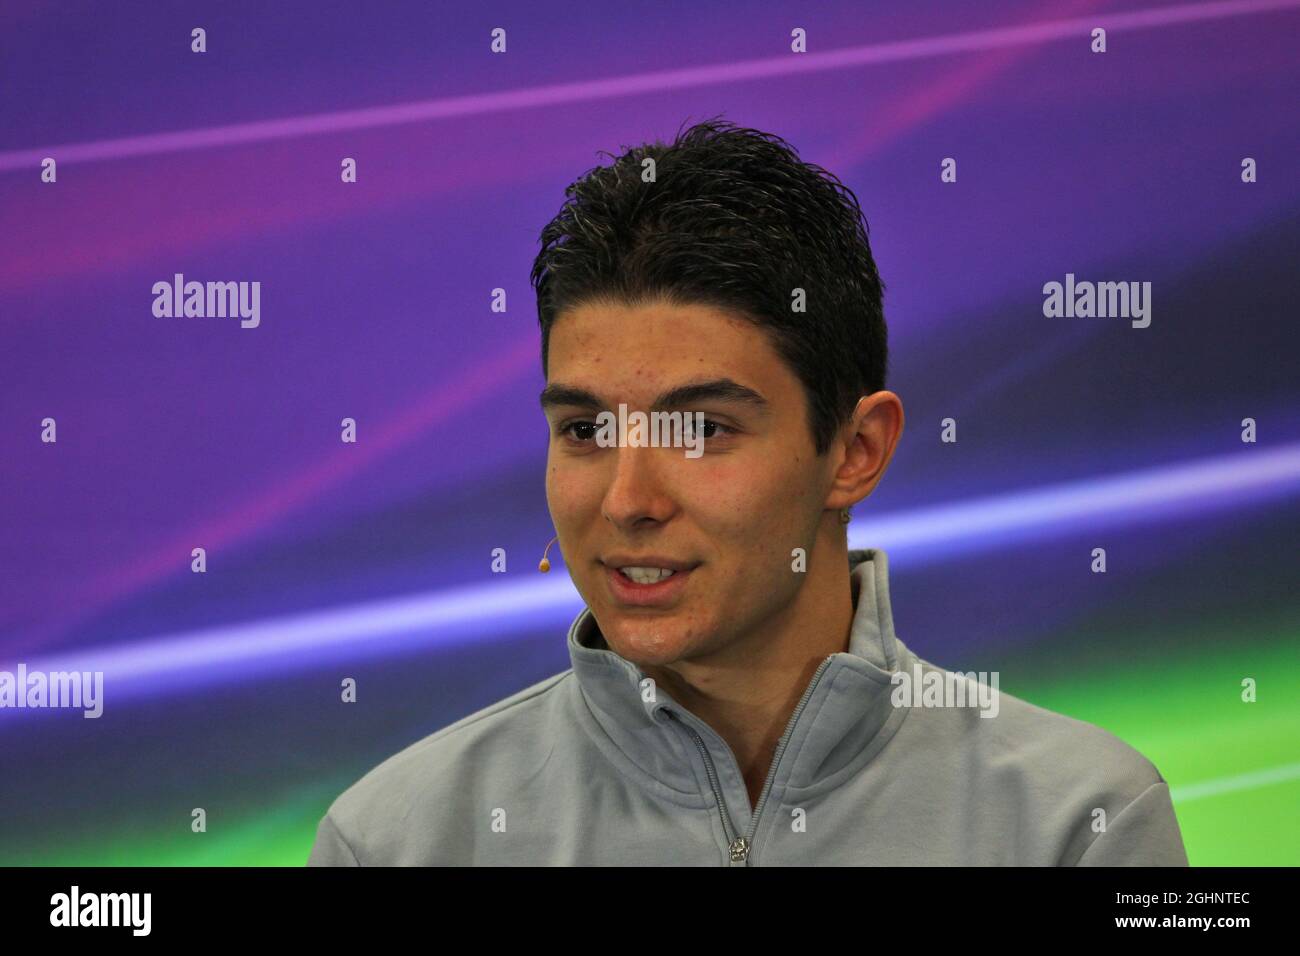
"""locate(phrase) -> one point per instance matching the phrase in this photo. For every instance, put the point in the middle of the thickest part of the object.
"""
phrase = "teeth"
(646, 575)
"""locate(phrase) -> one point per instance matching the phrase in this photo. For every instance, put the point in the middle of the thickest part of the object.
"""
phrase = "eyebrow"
(691, 393)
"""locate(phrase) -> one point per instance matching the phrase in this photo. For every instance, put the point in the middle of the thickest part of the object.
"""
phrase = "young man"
(754, 706)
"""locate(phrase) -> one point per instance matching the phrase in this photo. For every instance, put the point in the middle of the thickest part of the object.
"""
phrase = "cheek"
(731, 497)
(572, 493)
(559, 497)
(763, 502)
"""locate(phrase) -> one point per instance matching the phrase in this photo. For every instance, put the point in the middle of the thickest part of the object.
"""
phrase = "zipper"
(739, 846)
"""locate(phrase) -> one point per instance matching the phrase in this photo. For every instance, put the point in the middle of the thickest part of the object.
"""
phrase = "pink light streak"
(654, 82)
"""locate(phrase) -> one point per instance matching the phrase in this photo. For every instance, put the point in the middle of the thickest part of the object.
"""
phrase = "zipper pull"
(739, 851)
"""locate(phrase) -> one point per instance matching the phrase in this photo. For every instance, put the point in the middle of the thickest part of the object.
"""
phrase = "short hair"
(734, 219)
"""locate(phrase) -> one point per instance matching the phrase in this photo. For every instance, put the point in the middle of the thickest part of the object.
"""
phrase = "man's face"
(731, 516)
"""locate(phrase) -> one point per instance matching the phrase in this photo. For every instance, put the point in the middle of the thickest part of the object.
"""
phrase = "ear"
(868, 440)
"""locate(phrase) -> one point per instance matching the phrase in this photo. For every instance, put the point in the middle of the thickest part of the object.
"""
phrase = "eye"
(568, 429)
(728, 430)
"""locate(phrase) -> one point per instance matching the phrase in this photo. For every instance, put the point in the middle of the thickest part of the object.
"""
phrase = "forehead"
(637, 347)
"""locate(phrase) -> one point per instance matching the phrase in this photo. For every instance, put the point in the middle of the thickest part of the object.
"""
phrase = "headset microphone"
(544, 564)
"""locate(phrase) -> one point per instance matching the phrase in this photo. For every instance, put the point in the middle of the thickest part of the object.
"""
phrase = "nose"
(637, 491)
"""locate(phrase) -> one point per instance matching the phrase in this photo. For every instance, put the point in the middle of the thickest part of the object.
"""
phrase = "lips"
(646, 561)
(660, 594)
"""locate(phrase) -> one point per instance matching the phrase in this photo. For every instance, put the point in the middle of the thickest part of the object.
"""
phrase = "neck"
(749, 697)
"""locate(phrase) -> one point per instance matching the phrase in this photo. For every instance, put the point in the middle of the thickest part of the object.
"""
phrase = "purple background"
(177, 433)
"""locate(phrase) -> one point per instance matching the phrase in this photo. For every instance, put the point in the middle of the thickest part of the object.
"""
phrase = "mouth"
(648, 585)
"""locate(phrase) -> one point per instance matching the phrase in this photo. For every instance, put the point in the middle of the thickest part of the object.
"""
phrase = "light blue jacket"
(582, 769)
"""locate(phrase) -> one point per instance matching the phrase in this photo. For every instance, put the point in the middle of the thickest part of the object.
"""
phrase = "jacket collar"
(847, 718)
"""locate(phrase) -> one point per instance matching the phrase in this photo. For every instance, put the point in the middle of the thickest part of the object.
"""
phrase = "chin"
(646, 642)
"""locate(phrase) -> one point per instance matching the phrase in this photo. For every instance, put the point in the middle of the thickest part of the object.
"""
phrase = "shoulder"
(1013, 737)
(445, 772)
(1051, 784)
